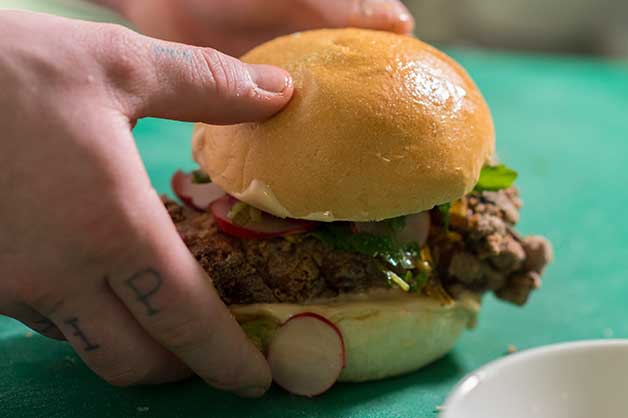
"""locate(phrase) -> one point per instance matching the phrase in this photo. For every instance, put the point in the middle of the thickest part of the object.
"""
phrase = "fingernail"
(251, 392)
(385, 7)
(388, 12)
(269, 78)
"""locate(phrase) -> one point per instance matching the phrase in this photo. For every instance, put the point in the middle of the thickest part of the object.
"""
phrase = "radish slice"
(306, 354)
(269, 227)
(195, 195)
(416, 228)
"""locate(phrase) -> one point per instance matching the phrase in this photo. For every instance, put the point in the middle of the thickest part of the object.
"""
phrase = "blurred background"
(584, 27)
(593, 27)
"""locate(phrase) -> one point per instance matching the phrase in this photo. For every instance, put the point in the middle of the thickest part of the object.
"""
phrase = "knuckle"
(119, 51)
(112, 39)
(228, 76)
(45, 299)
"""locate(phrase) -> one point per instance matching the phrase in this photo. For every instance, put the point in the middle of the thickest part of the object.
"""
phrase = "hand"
(87, 250)
(236, 26)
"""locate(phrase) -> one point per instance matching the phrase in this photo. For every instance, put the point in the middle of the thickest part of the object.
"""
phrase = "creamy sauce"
(369, 296)
(260, 195)
(361, 305)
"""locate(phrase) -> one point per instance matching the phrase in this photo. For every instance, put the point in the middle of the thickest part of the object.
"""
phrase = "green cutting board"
(562, 122)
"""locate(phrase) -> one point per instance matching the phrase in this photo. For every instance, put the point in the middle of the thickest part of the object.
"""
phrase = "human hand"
(87, 250)
(236, 26)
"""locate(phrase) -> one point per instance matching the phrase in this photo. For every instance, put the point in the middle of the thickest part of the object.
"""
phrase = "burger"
(354, 234)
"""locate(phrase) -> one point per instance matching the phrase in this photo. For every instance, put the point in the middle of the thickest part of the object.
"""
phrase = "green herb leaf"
(403, 258)
(200, 177)
(419, 281)
(239, 214)
(496, 177)
(396, 224)
(255, 214)
(340, 236)
(444, 211)
(260, 331)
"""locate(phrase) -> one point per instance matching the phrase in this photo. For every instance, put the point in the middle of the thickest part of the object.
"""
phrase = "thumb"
(176, 81)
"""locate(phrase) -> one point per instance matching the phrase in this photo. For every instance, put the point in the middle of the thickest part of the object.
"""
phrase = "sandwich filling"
(469, 245)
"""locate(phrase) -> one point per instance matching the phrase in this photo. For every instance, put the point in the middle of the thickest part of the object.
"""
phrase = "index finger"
(172, 298)
(389, 15)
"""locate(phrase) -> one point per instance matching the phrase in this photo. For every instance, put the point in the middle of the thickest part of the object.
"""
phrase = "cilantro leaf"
(393, 257)
(416, 281)
(396, 224)
(340, 236)
(420, 280)
(200, 177)
(444, 211)
(260, 331)
(496, 177)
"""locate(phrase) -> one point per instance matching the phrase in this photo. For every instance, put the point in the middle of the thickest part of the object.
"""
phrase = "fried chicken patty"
(478, 251)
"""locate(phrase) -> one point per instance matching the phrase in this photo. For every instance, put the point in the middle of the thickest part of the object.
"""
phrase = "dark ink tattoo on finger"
(175, 53)
(145, 284)
(78, 332)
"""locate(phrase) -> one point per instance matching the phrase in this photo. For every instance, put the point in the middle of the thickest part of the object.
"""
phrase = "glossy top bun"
(380, 125)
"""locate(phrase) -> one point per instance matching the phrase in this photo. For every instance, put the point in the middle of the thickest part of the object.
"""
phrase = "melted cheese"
(260, 195)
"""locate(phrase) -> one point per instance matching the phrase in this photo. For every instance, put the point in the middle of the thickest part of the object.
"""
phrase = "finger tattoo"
(78, 332)
(146, 284)
(175, 53)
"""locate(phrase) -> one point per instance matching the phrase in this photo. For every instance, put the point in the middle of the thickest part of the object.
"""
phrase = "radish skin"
(307, 354)
(194, 195)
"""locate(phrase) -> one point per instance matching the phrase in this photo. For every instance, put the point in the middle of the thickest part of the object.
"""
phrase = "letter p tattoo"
(145, 284)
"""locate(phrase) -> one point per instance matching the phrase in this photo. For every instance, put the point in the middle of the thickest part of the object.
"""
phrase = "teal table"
(562, 122)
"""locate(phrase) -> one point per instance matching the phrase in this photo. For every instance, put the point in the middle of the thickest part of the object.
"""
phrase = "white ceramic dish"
(587, 379)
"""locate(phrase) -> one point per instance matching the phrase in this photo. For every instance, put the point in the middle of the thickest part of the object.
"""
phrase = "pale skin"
(87, 251)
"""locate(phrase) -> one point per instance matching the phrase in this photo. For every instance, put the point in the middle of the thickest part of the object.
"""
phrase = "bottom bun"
(386, 333)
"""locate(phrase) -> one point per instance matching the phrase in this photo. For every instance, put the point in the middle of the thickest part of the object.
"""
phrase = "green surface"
(562, 123)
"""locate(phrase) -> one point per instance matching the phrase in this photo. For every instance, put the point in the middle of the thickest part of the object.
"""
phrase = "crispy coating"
(480, 252)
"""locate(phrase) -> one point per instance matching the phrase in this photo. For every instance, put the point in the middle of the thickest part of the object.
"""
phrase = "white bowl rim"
(460, 390)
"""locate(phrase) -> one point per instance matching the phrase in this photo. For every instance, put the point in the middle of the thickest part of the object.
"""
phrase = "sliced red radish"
(416, 228)
(195, 195)
(307, 354)
(268, 227)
